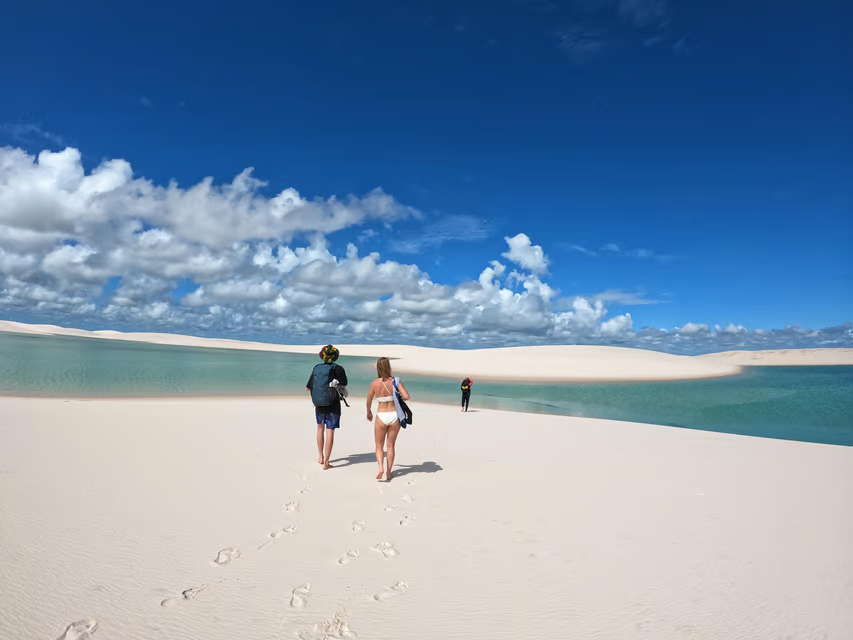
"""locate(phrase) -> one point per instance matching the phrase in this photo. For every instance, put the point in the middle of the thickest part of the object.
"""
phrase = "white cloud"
(285, 259)
(584, 316)
(232, 291)
(692, 328)
(28, 132)
(614, 249)
(617, 327)
(732, 329)
(625, 298)
(52, 194)
(130, 254)
(527, 255)
(459, 228)
(580, 249)
(74, 263)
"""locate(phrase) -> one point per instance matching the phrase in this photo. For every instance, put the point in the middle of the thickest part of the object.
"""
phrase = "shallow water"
(813, 404)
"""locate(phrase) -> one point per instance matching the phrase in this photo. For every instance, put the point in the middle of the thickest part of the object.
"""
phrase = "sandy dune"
(211, 519)
(551, 363)
(555, 363)
(784, 357)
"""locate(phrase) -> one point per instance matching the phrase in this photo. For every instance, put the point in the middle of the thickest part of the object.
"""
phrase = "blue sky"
(690, 157)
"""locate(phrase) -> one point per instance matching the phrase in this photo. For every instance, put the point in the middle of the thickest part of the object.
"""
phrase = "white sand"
(506, 526)
(784, 357)
(553, 363)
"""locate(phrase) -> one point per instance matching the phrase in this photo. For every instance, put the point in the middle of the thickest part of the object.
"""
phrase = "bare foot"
(388, 477)
(320, 460)
(380, 474)
(327, 466)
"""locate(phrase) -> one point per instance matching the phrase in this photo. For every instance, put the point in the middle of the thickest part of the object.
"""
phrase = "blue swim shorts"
(331, 420)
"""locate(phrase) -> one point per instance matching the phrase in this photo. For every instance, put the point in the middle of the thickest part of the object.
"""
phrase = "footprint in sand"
(299, 596)
(358, 526)
(291, 507)
(80, 630)
(337, 627)
(349, 556)
(187, 594)
(276, 534)
(391, 507)
(392, 591)
(386, 549)
(226, 555)
(407, 520)
(305, 490)
(406, 498)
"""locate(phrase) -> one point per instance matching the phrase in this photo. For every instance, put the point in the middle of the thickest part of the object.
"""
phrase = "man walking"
(327, 401)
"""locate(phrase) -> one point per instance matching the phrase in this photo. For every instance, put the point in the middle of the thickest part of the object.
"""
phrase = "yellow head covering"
(329, 354)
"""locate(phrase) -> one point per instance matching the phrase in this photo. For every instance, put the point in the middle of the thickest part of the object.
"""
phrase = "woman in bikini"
(387, 426)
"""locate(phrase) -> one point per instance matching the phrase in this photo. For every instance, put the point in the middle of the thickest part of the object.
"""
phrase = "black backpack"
(321, 394)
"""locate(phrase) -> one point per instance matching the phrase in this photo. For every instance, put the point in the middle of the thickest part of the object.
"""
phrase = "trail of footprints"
(299, 596)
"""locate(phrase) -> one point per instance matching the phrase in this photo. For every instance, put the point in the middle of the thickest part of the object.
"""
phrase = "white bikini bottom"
(387, 417)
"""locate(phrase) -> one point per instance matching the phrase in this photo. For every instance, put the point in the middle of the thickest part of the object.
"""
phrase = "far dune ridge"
(784, 357)
(536, 363)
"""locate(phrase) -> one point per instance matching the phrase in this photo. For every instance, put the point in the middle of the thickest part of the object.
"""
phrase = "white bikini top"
(386, 398)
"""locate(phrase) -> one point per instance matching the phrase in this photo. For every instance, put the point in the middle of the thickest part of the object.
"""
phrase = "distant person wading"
(327, 385)
(467, 383)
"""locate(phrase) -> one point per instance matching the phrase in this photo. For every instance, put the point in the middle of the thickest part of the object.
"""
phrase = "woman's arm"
(370, 394)
(403, 393)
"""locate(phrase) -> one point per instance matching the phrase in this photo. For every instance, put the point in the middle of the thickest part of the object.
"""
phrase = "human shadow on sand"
(356, 458)
(423, 467)
(399, 469)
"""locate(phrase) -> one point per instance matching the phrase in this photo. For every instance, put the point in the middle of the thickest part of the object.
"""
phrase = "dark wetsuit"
(466, 393)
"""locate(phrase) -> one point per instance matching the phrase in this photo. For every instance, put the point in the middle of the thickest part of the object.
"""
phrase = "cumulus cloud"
(617, 327)
(527, 255)
(115, 249)
(732, 329)
(692, 328)
(53, 194)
